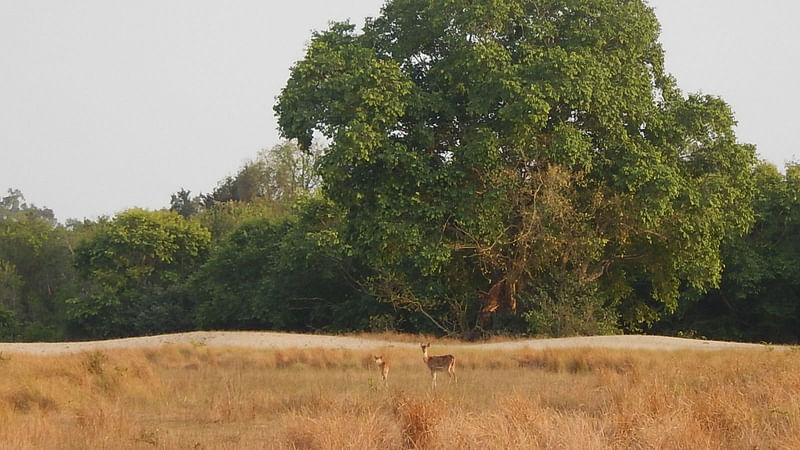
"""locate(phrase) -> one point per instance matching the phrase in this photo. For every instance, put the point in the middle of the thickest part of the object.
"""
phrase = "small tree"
(36, 271)
(137, 266)
(184, 204)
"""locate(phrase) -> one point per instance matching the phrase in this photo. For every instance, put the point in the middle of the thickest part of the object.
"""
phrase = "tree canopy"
(135, 267)
(36, 270)
(759, 296)
(489, 146)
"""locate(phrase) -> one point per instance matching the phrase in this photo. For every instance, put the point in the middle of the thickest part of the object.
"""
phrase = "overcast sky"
(109, 104)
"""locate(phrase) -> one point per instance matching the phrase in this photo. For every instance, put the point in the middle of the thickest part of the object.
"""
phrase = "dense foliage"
(492, 166)
(135, 268)
(286, 274)
(36, 272)
(759, 296)
(476, 145)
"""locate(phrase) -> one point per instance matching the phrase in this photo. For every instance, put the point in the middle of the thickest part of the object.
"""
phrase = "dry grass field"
(197, 396)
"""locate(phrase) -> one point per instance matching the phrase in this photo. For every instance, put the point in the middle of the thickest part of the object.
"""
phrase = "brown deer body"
(383, 365)
(439, 364)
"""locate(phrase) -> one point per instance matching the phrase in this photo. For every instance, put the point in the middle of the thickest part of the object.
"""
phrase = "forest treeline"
(264, 252)
(508, 167)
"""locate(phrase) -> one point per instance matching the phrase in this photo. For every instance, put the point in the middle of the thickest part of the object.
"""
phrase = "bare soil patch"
(274, 340)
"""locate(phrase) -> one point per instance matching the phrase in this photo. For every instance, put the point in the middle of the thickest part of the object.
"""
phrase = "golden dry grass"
(197, 397)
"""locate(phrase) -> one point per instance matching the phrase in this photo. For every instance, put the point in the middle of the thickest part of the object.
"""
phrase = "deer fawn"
(384, 367)
(439, 363)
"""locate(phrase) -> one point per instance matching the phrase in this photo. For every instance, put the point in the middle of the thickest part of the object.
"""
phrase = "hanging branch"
(400, 295)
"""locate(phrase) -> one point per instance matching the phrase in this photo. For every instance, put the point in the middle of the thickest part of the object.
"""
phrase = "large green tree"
(492, 145)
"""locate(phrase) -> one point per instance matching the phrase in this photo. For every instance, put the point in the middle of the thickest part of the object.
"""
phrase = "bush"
(567, 308)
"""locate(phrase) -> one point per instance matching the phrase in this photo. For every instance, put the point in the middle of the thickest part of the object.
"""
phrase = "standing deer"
(383, 365)
(439, 363)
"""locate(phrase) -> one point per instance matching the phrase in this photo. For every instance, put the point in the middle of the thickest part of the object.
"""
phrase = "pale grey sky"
(110, 104)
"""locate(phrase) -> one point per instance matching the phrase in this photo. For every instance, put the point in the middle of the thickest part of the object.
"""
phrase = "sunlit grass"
(193, 396)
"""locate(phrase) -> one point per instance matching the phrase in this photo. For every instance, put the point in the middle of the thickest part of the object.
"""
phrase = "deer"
(383, 365)
(439, 364)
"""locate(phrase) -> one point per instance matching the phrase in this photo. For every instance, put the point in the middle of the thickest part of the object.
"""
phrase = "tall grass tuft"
(418, 416)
